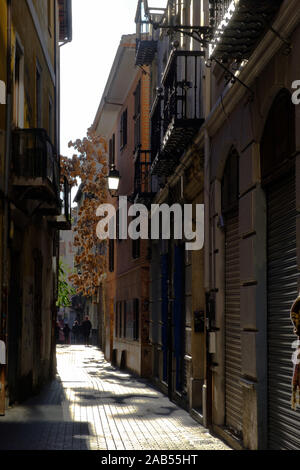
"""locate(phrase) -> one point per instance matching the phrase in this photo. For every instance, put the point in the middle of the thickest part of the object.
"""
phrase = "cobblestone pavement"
(93, 406)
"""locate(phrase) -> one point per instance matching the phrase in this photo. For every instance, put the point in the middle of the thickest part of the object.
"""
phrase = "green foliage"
(65, 291)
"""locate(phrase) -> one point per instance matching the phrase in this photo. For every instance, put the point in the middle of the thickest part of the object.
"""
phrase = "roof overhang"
(241, 28)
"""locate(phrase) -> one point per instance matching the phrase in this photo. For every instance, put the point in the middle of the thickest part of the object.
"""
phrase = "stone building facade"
(31, 206)
(251, 142)
(177, 297)
(123, 119)
(225, 350)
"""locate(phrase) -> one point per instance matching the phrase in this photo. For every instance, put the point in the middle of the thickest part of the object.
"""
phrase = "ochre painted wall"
(24, 30)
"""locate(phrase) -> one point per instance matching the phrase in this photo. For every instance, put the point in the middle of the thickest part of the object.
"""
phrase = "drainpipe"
(5, 228)
(57, 147)
(170, 321)
(207, 388)
(5, 280)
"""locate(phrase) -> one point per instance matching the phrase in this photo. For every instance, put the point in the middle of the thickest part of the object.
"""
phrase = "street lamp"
(113, 180)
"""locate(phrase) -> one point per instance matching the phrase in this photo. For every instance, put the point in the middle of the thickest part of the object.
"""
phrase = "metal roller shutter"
(233, 390)
(283, 422)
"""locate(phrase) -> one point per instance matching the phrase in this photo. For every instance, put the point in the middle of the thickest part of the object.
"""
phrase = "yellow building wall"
(23, 30)
(3, 46)
(35, 237)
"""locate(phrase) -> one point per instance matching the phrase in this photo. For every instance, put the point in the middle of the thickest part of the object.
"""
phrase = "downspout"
(56, 98)
(170, 321)
(207, 388)
(5, 228)
(5, 276)
(56, 145)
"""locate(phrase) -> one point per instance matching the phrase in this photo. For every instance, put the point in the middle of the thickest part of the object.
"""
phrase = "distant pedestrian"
(75, 331)
(295, 317)
(66, 331)
(56, 332)
(86, 327)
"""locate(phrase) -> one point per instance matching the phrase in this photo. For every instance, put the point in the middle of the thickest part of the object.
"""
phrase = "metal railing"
(156, 127)
(181, 81)
(65, 196)
(217, 11)
(142, 177)
(144, 28)
(34, 156)
(146, 36)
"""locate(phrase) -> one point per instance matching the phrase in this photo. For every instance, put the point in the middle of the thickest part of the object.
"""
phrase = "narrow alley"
(94, 406)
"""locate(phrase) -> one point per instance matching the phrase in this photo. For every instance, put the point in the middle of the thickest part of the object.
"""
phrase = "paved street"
(93, 406)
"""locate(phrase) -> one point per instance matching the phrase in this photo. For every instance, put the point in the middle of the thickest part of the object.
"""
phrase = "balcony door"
(18, 116)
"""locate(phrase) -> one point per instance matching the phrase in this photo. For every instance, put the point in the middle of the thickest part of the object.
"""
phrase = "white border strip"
(2, 92)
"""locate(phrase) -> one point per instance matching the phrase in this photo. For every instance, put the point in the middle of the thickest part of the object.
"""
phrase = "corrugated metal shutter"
(283, 422)
(233, 390)
(179, 314)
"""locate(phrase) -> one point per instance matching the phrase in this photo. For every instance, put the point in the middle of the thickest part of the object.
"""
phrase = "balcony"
(146, 42)
(238, 26)
(145, 50)
(144, 182)
(35, 167)
(181, 110)
(64, 220)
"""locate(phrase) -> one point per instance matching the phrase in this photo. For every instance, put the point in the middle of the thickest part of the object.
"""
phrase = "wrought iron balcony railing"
(146, 43)
(182, 114)
(156, 126)
(63, 221)
(65, 197)
(217, 11)
(35, 164)
(144, 182)
(238, 26)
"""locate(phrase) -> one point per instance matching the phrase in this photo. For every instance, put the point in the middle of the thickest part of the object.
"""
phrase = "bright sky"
(86, 62)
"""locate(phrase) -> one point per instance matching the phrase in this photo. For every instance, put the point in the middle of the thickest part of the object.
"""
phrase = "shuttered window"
(111, 256)
(136, 320)
(123, 129)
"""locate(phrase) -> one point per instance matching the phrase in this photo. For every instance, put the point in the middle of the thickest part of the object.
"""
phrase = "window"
(124, 318)
(136, 248)
(123, 129)
(19, 87)
(137, 116)
(120, 320)
(112, 144)
(136, 320)
(38, 97)
(116, 319)
(50, 119)
(111, 255)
